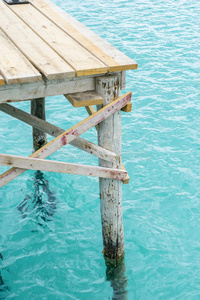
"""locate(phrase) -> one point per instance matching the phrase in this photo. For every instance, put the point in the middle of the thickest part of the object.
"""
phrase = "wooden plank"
(127, 108)
(32, 46)
(53, 130)
(69, 135)
(112, 57)
(60, 167)
(33, 90)
(84, 99)
(2, 81)
(13, 65)
(72, 52)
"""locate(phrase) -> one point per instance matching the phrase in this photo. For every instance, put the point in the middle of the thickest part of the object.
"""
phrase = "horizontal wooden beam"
(42, 89)
(84, 99)
(69, 135)
(60, 167)
(53, 130)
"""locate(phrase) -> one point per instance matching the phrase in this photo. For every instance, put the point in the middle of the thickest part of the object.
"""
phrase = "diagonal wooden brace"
(55, 131)
(60, 167)
(69, 135)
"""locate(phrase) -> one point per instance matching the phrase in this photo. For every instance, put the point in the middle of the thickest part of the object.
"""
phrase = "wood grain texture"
(13, 64)
(45, 59)
(69, 135)
(109, 137)
(60, 167)
(80, 59)
(33, 90)
(112, 57)
(84, 99)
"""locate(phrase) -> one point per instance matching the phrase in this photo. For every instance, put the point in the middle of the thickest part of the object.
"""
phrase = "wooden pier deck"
(39, 42)
(46, 52)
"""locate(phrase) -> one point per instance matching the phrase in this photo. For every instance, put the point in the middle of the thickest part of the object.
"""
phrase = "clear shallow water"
(61, 258)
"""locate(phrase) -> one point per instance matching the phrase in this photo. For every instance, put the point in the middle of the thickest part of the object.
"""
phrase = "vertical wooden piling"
(109, 137)
(38, 110)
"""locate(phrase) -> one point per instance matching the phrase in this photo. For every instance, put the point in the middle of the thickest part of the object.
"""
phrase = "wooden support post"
(109, 137)
(91, 111)
(38, 110)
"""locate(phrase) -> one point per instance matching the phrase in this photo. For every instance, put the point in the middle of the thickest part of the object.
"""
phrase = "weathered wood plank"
(84, 99)
(13, 65)
(45, 59)
(60, 20)
(53, 130)
(112, 57)
(33, 90)
(2, 81)
(80, 59)
(127, 108)
(60, 167)
(69, 135)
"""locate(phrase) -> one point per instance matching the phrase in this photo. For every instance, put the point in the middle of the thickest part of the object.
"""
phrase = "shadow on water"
(42, 206)
(3, 287)
(116, 274)
(43, 202)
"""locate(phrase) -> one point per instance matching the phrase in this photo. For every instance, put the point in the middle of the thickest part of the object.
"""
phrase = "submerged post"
(38, 110)
(109, 137)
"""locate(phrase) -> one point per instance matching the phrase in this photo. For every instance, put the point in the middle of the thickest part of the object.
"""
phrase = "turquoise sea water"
(53, 251)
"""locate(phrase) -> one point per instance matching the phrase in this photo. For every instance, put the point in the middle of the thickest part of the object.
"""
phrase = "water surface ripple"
(51, 245)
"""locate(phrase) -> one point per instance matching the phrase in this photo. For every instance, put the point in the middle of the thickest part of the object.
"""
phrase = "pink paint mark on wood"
(75, 132)
(84, 126)
(64, 140)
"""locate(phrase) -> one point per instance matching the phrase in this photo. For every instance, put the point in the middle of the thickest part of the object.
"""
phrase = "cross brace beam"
(69, 135)
(60, 167)
(53, 130)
